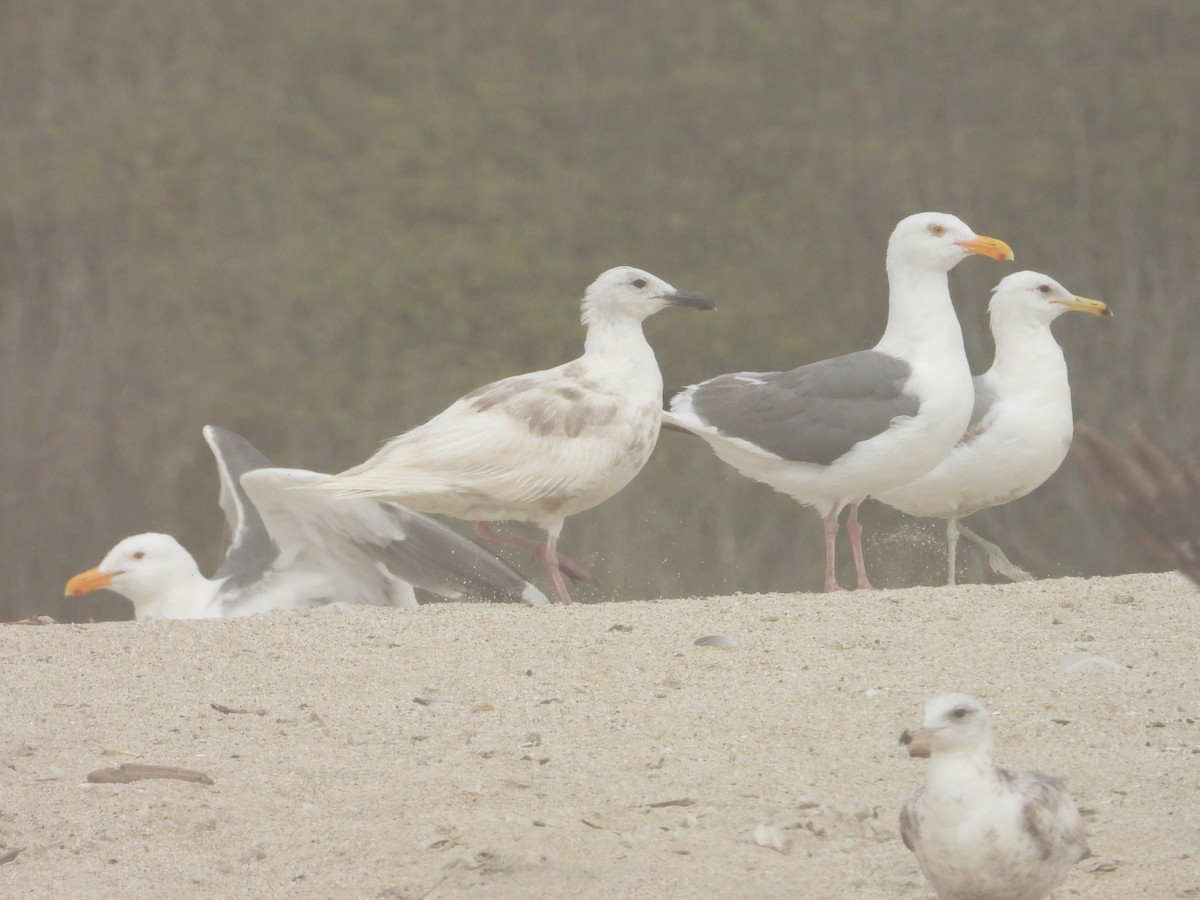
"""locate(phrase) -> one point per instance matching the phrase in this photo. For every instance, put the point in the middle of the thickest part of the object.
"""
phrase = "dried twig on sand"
(127, 772)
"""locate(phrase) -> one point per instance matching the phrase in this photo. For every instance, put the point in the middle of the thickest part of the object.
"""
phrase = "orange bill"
(86, 582)
(986, 246)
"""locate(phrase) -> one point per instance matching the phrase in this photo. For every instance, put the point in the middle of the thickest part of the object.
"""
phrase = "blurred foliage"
(319, 223)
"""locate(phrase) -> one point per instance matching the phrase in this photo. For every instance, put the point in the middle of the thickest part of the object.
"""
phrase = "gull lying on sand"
(293, 548)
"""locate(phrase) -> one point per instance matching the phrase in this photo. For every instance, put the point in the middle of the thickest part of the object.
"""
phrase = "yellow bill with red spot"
(988, 246)
(86, 582)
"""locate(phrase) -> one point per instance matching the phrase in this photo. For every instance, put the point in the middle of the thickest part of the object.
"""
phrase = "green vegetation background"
(318, 223)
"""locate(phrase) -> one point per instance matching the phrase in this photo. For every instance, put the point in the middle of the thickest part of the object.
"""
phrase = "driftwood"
(229, 710)
(1156, 500)
(127, 772)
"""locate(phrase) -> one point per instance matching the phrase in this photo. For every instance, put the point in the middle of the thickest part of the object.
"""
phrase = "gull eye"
(1044, 289)
(937, 230)
(639, 282)
(139, 555)
(960, 712)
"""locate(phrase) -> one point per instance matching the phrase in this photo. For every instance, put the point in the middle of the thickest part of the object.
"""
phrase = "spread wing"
(250, 550)
(375, 551)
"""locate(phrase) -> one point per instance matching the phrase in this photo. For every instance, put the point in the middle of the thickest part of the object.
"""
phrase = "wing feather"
(366, 544)
(527, 441)
(815, 413)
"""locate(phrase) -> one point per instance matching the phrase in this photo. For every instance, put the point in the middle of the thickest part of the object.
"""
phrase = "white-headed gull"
(293, 548)
(543, 446)
(831, 433)
(1021, 426)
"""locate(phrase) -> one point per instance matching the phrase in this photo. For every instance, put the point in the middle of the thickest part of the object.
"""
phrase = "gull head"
(1032, 296)
(953, 723)
(937, 242)
(141, 568)
(629, 293)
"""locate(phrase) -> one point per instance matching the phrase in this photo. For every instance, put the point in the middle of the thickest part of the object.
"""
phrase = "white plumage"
(981, 832)
(834, 432)
(543, 446)
(1021, 426)
(293, 548)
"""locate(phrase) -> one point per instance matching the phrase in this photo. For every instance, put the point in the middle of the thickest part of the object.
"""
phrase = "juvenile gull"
(543, 446)
(298, 548)
(831, 433)
(981, 832)
(1021, 426)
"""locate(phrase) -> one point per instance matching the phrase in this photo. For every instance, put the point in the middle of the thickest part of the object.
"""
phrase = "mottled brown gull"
(981, 832)
(543, 446)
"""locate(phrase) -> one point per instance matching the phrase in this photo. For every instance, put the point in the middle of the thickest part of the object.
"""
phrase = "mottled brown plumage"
(542, 446)
(981, 832)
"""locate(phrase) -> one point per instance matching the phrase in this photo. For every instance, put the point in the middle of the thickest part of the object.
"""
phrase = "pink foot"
(831, 529)
(855, 531)
(566, 565)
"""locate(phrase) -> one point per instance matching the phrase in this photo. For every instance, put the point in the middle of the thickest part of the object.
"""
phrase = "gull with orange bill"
(832, 433)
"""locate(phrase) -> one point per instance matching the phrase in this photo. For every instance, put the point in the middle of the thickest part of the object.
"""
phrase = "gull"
(543, 446)
(831, 433)
(1021, 426)
(981, 832)
(293, 548)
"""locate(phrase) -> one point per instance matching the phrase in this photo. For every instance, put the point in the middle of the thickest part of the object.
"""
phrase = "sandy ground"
(591, 751)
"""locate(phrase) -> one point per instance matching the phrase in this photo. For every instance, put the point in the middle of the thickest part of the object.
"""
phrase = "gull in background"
(832, 433)
(543, 446)
(1021, 426)
(293, 548)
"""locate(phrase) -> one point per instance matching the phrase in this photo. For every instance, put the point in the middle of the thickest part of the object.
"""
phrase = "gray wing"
(813, 414)
(985, 399)
(438, 559)
(251, 550)
(366, 545)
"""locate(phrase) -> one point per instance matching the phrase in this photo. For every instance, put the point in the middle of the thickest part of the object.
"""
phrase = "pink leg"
(549, 557)
(855, 531)
(566, 565)
(831, 529)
